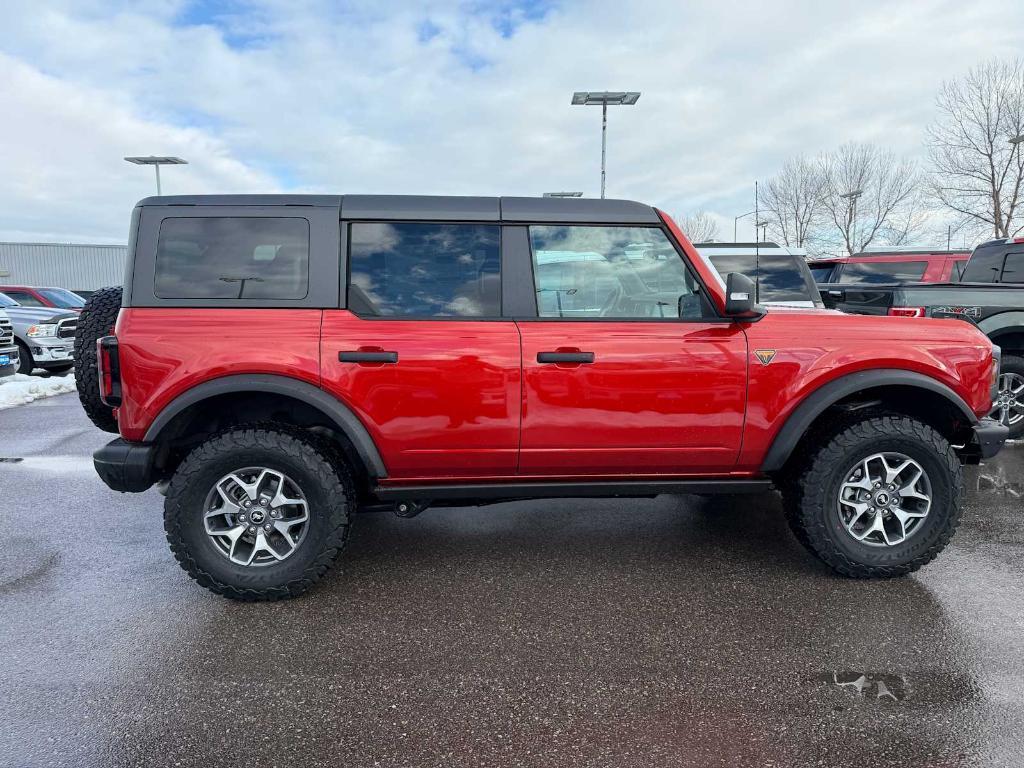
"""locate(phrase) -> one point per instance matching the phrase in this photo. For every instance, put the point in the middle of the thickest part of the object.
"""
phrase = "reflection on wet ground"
(672, 631)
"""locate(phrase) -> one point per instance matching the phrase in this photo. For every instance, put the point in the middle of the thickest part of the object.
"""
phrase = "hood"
(903, 330)
(34, 315)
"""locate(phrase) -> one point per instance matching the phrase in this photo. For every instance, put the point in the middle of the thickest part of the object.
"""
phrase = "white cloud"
(433, 98)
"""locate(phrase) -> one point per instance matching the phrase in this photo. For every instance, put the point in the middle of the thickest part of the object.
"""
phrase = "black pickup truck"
(990, 295)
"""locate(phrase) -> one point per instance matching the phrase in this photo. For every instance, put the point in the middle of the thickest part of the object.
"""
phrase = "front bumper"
(989, 436)
(126, 467)
(49, 351)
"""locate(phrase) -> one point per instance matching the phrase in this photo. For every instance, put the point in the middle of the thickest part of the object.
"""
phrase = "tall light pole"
(736, 220)
(156, 162)
(852, 198)
(604, 98)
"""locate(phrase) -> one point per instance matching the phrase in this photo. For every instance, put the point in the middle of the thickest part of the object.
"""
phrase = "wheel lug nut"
(252, 529)
(267, 527)
(247, 503)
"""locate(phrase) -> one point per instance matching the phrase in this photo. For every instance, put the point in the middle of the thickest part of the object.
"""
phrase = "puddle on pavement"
(59, 464)
(872, 686)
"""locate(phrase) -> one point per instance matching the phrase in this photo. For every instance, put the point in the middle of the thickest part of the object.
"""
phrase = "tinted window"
(875, 272)
(232, 258)
(1013, 268)
(62, 298)
(613, 272)
(25, 299)
(985, 266)
(778, 276)
(7, 301)
(822, 274)
(425, 270)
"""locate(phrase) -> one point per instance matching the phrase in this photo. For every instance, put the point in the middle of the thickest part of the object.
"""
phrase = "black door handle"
(368, 357)
(565, 357)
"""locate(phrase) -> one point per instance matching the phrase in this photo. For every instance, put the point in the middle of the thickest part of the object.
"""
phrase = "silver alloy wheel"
(256, 516)
(884, 499)
(1009, 405)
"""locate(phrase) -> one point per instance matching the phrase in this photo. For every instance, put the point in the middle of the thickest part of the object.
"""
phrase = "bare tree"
(976, 158)
(869, 195)
(699, 227)
(793, 201)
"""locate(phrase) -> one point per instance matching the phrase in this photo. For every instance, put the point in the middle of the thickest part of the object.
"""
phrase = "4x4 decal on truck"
(961, 311)
(765, 355)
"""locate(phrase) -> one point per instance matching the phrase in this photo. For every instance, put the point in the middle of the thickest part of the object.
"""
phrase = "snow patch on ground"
(20, 389)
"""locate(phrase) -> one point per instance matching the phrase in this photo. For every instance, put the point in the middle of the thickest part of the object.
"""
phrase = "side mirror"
(740, 299)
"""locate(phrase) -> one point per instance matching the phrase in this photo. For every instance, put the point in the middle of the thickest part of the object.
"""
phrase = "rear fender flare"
(340, 414)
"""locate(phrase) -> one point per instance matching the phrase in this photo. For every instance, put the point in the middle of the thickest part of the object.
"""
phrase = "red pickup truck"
(278, 363)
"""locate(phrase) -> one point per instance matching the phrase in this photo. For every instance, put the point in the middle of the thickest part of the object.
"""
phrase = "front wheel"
(258, 513)
(881, 498)
(1009, 405)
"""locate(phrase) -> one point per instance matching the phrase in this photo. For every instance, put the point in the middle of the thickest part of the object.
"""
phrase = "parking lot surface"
(669, 631)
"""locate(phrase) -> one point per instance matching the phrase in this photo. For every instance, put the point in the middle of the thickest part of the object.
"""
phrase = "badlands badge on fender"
(765, 355)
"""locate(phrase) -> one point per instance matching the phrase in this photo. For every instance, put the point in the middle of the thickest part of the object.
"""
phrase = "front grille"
(6, 333)
(66, 328)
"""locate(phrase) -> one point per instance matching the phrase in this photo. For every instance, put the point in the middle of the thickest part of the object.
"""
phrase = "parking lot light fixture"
(604, 98)
(1017, 140)
(156, 162)
(563, 194)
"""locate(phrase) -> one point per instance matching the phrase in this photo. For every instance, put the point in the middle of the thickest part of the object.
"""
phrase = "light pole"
(852, 198)
(156, 162)
(604, 98)
(736, 221)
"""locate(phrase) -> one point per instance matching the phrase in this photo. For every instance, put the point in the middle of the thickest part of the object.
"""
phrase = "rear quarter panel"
(814, 348)
(165, 352)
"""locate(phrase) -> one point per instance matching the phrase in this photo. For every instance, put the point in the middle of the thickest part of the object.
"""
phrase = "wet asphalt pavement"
(671, 631)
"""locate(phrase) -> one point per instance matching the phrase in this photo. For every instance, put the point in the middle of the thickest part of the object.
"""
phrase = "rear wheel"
(1009, 405)
(258, 513)
(880, 498)
(96, 320)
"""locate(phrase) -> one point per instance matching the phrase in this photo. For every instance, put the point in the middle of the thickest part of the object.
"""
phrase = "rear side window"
(876, 272)
(985, 266)
(1013, 268)
(822, 273)
(25, 299)
(778, 277)
(232, 257)
(424, 270)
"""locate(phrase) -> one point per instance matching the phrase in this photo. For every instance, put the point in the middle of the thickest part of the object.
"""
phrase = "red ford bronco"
(276, 363)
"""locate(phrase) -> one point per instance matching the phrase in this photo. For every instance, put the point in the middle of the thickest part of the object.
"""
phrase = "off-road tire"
(309, 461)
(811, 490)
(95, 321)
(1014, 364)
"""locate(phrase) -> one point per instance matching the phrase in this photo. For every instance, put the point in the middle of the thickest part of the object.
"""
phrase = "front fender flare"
(812, 406)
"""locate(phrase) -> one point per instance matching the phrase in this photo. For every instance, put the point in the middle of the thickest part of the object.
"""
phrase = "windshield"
(880, 272)
(7, 301)
(63, 298)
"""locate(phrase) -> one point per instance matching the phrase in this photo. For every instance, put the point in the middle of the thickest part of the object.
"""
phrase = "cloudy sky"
(456, 97)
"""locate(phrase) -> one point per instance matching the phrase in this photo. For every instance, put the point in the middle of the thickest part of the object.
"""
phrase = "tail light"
(108, 367)
(906, 311)
(997, 359)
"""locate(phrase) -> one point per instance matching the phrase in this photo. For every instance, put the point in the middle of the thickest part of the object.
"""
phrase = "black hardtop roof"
(438, 208)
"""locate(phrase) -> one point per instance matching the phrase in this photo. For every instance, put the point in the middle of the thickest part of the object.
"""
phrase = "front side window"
(877, 273)
(424, 270)
(610, 272)
(232, 257)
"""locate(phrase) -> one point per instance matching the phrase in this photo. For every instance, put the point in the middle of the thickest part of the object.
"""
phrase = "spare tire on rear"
(97, 320)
